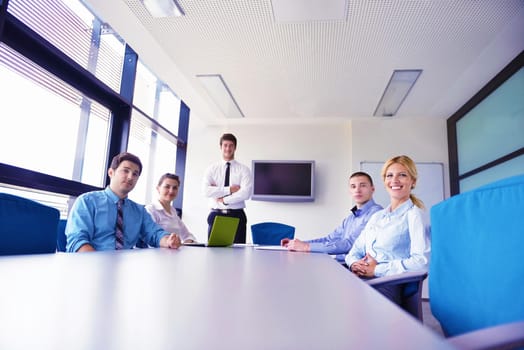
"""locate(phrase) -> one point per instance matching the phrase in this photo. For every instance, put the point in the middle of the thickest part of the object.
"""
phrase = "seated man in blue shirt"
(93, 221)
(340, 241)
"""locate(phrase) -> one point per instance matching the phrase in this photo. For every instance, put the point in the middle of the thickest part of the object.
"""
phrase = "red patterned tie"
(119, 225)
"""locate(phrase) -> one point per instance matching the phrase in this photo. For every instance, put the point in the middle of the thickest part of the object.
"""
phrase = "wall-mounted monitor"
(283, 180)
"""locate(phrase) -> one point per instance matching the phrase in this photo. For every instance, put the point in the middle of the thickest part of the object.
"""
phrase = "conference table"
(197, 298)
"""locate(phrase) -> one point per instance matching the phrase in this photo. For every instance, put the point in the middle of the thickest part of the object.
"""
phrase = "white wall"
(337, 148)
(423, 140)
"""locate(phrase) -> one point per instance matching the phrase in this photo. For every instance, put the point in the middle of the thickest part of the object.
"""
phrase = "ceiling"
(321, 70)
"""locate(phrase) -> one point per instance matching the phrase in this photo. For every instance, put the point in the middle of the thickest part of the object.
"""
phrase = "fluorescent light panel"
(309, 10)
(396, 91)
(216, 88)
(163, 8)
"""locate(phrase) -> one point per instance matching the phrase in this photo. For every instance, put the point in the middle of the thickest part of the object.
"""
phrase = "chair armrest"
(506, 336)
(406, 277)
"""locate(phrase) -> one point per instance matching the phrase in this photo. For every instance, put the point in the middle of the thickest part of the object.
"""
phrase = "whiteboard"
(429, 188)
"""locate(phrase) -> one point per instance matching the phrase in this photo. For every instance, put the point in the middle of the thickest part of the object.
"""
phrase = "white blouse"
(169, 222)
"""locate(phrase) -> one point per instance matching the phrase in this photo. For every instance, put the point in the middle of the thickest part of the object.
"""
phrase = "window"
(156, 148)
(75, 31)
(60, 202)
(485, 136)
(63, 123)
(51, 127)
(153, 127)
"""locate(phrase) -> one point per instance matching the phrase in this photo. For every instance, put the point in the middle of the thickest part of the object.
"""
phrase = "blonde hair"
(409, 164)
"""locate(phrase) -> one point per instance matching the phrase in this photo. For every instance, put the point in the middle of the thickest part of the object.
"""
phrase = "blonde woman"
(394, 239)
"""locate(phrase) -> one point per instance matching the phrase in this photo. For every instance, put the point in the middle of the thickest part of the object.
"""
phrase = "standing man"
(108, 220)
(228, 185)
(340, 241)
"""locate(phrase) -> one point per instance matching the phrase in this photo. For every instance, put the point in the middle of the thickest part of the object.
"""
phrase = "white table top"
(197, 298)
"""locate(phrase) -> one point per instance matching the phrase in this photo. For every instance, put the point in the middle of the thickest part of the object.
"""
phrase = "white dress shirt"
(214, 188)
(169, 222)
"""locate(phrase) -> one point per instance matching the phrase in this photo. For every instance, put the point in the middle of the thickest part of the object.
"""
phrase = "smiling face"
(124, 178)
(399, 183)
(168, 190)
(228, 150)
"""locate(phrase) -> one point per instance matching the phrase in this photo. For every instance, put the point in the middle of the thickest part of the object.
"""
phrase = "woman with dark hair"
(162, 210)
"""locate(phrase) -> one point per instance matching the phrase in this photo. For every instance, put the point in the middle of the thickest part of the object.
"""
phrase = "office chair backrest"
(270, 233)
(476, 270)
(61, 239)
(26, 226)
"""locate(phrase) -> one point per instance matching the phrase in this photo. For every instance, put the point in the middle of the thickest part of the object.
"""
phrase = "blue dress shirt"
(340, 241)
(397, 240)
(93, 217)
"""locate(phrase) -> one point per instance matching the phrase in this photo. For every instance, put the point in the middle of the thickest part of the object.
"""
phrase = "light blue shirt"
(397, 240)
(341, 240)
(93, 218)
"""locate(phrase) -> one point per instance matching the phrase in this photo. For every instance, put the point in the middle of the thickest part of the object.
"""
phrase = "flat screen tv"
(283, 180)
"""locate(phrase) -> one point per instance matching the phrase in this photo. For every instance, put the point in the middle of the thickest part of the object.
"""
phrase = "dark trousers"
(393, 293)
(240, 236)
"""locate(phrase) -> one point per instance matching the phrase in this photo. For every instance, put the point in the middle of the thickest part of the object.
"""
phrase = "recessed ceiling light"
(163, 8)
(396, 91)
(216, 88)
(309, 10)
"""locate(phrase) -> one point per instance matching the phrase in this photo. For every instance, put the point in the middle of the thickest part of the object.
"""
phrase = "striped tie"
(119, 225)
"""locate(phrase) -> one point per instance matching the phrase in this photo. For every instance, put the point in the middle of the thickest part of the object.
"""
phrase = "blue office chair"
(26, 226)
(411, 290)
(270, 233)
(476, 272)
(61, 239)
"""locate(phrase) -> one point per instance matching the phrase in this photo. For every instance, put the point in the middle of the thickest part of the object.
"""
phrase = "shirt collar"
(357, 212)
(404, 207)
(113, 195)
(157, 205)
(232, 161)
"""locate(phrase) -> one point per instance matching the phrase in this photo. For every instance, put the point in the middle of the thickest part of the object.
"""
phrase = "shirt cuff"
(79, 245)
(380, 270)
(317, 247)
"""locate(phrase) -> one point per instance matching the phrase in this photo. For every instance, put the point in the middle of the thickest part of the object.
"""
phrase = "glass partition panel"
(499, 172)
(494, 128)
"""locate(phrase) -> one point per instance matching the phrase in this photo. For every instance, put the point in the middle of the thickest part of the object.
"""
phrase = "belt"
(226, 211)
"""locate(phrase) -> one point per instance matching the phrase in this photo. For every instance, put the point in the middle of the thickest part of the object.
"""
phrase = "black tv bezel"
(280, 197)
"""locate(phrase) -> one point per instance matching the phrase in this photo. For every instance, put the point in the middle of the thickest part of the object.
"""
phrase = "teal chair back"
(476, 276)
(270, 233)
(26, 226)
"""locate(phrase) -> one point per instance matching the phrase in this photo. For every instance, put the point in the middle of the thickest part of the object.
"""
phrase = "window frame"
(454, 177)
(15, 34)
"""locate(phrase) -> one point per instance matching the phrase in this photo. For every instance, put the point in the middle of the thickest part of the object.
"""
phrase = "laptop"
(222, 234)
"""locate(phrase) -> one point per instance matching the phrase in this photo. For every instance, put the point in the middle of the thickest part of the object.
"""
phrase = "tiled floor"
(429, 320)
